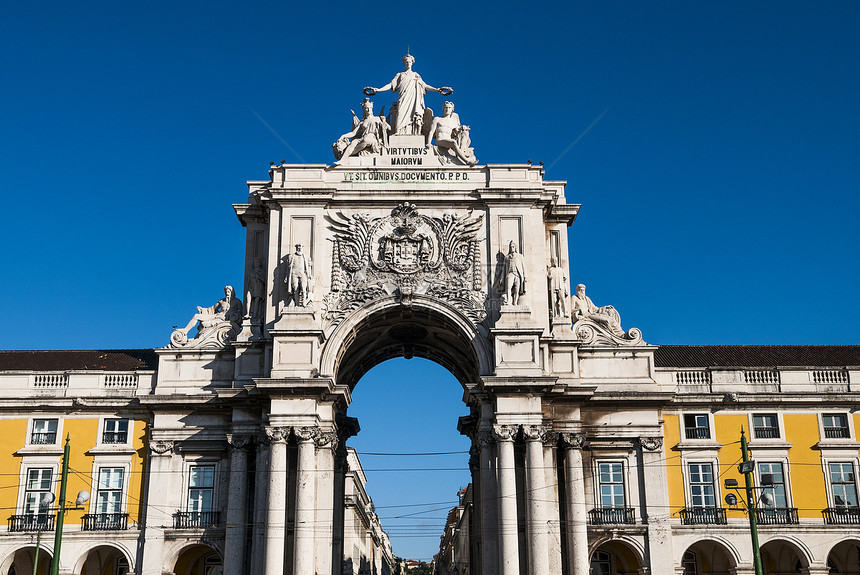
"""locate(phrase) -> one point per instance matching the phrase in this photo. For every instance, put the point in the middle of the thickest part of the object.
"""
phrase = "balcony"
(612, 516)
(31, 522)
(105, 522)
(776, 515)
(766, 432)
(703, 516)
(836, 433)
(196, 519)
(697, 433)
(43, 438)
(841, 515)
(115, 437)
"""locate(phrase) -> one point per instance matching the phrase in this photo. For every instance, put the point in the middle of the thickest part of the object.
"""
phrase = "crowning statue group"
(407, 117)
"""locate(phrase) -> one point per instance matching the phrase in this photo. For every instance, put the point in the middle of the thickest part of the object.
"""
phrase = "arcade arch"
(199, 559)
(616, 557)
(783, 556)
(709, 557)
(20, 562)
(844, 557)
(104, 559)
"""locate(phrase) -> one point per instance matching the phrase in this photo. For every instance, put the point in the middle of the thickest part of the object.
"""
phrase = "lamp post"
(83, 496)
(747, 466)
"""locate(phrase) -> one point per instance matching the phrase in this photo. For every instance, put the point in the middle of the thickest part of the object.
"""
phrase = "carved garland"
(404, 254)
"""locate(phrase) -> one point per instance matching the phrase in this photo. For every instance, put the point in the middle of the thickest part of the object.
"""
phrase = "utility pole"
(746, 468)
(61, 511)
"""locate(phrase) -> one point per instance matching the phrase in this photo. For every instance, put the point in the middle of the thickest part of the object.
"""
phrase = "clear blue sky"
(719, 188)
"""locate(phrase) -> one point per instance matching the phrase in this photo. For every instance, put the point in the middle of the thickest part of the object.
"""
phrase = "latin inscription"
(412, 176)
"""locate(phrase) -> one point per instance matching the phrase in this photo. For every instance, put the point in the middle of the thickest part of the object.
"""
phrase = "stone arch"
(776, 554)
(715, 554)
(189, 552)
(426, 328)
(23, 557)
(109, 546)
(624, 548)
(842, 553)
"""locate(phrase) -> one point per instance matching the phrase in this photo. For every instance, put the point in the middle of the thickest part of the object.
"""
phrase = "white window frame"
(715, 471)
(786, 477)
(36, 462)
(113, 461)
(848, 419)
(123, 489)
(186, 482)
(699, 440)
(103, 429)
(829, 484)
(779, 425)
(51, 489)
(31, 425)
(598, 503)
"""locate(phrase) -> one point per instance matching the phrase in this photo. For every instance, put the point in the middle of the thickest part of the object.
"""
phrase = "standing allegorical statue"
(410, 89)
(256, 289)
(557, 289)
(515, 275)
(299, 277)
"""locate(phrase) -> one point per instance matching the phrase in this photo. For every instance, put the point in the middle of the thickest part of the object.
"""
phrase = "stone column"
(234, 537)
(577, 517)
(509, 554)
(305, 501)
(551, 501)
(537, 516)
(157, 511)
(656, 504)
(261, 502)
(276, 521)
(326, 443)
(489, 503)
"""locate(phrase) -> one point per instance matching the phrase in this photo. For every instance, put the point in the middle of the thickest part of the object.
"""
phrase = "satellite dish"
(83, 497)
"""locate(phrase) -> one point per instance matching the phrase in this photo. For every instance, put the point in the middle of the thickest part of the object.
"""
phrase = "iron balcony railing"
(776, 515)
(836, 433)
(697, 433)
(105, 522)
(43, 438)
(841, 515)
(766, 432)
(612, 516)
(31, 522)
(115, 437)
(196, 519)
(703, 516)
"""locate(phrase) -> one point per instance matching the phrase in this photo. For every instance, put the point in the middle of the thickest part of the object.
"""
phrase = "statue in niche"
(515, 276)
(256, 289)
(367, 136)
(451, 137)
(584, 309)
(557, 289)
(224, 316)
(410, 89)
(299, 277)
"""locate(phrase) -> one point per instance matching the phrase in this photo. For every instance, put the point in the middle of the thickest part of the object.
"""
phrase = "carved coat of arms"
(403, 254)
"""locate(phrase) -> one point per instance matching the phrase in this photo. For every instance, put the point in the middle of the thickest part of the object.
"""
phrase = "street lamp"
(746, 467)
(83, 497)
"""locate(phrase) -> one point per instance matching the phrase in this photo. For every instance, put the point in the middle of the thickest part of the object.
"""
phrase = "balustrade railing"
(105, 522)
(762, 377)
(120, 380)
(697, 433)
(612, 516)
(683, 378)
(830, 376)
(776, 515)
(837, 433)
(43, 438)
(196, 519)
(51, 380)
(703, 516)
(841, 515)
(31, 522)
(115, 437)
(766, 432)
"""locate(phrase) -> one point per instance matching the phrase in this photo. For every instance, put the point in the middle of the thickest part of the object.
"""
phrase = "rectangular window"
(842, 485)
(39, 483)
(766, 426)
(116, 431)
(109, 498)
(835, 426)
(201, 488)
(696, 426)
(611, 481)
(702, 485)
(773, 471)
(44, 432)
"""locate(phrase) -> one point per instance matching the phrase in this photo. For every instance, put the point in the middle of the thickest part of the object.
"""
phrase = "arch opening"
(103, 560)
(614, 558)
(199, 559)
(21, 562)
(708, 557)
(780, 556)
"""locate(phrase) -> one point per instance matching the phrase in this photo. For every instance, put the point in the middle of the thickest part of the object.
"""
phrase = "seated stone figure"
(452, 138)
(367, 136)
(226, 313)
(584, 309)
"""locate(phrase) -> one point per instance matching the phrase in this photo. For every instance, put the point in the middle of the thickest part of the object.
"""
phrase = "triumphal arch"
(407, 246)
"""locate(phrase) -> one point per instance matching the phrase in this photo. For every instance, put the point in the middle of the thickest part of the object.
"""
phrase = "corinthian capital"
(534, 432)
(307, 433)
(326, 438)
(486, 438)
(238, 440)
(505, 432)
(277, 434)
(573, 440)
